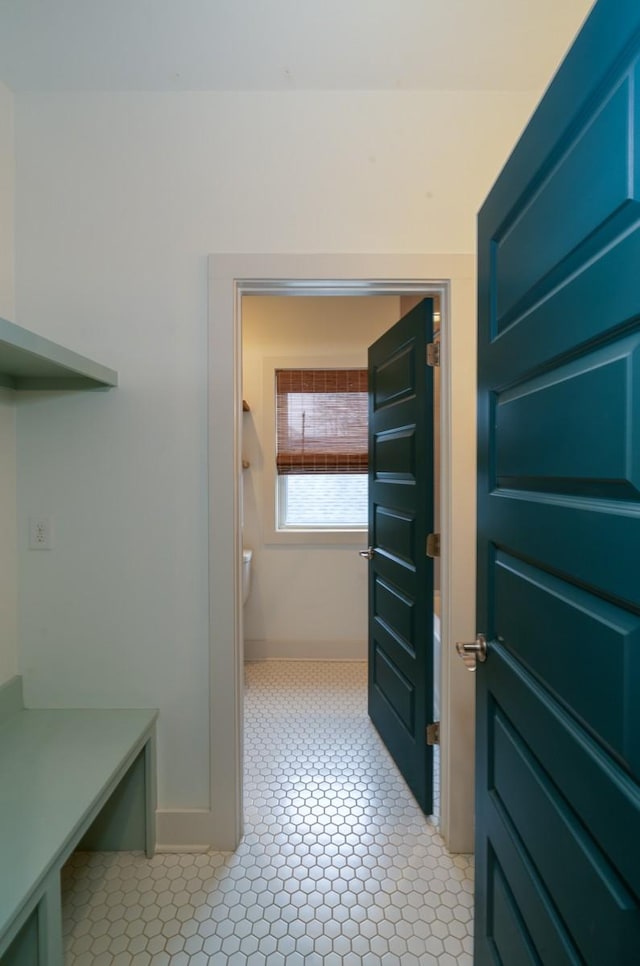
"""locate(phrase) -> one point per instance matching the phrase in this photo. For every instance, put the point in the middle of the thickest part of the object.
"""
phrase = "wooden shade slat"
(321, 421)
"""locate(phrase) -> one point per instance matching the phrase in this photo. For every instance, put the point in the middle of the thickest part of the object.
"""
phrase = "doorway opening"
(232, 278)
(308, 586)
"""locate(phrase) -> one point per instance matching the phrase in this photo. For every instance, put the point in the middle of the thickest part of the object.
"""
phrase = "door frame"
(230, 277)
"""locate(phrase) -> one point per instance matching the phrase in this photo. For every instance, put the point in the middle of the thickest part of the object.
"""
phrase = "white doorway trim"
(230, 277)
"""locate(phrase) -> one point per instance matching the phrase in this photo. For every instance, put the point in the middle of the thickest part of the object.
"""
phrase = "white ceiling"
(163, 45)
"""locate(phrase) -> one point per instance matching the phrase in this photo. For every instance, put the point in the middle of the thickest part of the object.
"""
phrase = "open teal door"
(558, 697)
(400, 572)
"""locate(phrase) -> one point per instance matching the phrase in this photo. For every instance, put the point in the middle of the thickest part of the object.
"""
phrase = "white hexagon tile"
(338, 864)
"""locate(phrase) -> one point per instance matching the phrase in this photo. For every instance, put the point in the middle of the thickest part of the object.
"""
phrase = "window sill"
(314, 538)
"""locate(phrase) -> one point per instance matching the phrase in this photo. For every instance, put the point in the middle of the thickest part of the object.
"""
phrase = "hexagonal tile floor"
(338, 864)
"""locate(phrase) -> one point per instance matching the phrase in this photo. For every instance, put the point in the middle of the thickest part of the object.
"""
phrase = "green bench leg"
(127, 821)
(23, 951)
(39, 941)
(150, 796)
(50, 923)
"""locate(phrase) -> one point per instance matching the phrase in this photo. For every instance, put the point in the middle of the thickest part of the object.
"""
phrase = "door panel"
(556, 739)
(573, 881)
(395, 614)
(558, 725)
(563, 650)
(511, 939)
(595, 159)
(537, 450)
(507, 863)
(537, 812)
(395, 455)
(400, 573)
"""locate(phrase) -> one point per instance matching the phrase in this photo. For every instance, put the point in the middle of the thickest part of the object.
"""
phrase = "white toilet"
(246, 573)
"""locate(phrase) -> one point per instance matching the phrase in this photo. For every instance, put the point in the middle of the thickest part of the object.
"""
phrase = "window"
(321, 448)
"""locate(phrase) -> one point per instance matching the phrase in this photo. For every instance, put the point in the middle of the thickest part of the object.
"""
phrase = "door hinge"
(432, 733)
(433, 545)
(433, 353)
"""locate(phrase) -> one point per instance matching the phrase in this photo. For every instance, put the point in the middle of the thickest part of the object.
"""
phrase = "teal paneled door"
(400, 573)
(558, 698)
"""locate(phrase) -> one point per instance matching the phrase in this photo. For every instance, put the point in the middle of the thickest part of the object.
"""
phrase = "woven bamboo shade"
(321, 421)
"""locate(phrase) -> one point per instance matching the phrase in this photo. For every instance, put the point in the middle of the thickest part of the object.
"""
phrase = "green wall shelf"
(28, 361)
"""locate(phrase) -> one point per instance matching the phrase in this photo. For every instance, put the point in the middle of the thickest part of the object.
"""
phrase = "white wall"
(8, 590)
(119, 199)
(7, 179)
(287, 612)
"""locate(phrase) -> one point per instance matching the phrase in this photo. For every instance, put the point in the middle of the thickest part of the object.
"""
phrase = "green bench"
(69, 779)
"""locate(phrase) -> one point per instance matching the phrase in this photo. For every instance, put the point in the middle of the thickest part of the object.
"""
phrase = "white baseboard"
(184, 830)
(267, 650)
(189, 849)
